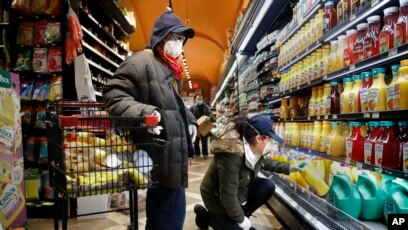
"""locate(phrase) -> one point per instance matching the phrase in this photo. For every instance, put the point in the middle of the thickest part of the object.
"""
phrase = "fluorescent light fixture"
(258, 19)
(226, 80)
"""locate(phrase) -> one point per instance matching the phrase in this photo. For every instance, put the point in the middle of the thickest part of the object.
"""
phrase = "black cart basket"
(92, 153)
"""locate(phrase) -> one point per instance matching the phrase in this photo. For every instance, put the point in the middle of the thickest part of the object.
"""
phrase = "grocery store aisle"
(262, 219)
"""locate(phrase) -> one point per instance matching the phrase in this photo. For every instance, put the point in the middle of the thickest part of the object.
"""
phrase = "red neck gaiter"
(171, 62)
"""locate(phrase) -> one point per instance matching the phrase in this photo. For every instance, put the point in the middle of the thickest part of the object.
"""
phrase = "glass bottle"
(387, 32)
(401, 28)
(371, 41)
(344, 97)
(294, 109)
(358, 51)
(391, 87)
(377, 93)
(333, 56)
(329, 16)
(284, 108)
(355, 143)
(348, 50)
(354, 96)
(401, 87)
(333, 100)
(387, 152)
(367, 83)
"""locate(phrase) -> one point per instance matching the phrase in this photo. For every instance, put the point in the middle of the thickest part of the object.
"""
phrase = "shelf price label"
(374, 2)
(347, 161)
(376, 115)
(367, 115)
(334, 116)
(392, 52)
(326, 117)
(359, 165)
(352, 67)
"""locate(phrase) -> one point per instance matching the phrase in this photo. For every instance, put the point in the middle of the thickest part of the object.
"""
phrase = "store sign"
(5, 81)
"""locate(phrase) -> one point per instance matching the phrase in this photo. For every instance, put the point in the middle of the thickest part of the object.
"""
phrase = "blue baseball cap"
(263, 125)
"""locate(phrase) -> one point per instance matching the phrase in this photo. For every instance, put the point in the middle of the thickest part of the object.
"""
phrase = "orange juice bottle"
(296, 134)
(324, 136)
(344, 97)
(284, 108)
(367, 83)
(346, 132)
(318, 100)
(391, 87)
(324, 63)
(312, 102)
(401, 87)
(317, 131)
(354, 96)
(335, 140)
(377, 94)
(323, 99)
(333, 56)
(340, 50)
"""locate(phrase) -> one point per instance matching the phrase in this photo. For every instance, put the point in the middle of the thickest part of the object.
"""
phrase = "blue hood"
(168, 22)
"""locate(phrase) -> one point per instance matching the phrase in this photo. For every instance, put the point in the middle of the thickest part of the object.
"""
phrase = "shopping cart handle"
(151, 120)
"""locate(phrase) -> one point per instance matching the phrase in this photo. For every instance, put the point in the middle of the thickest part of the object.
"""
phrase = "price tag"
(353, 17)
(308, 118)
(325, 77)
(376, 115)
(326, 117)
(374, 2)
(309, 151)
(392, 52)
(318, 118)
(347, 161)
(298, 87)
(334, 116)
(367, 115)
(352, 67)
(291, 119)
(359, 165)
(308, 83)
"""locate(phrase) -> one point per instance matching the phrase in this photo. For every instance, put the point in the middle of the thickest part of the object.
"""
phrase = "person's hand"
(156, 130)
(157, 114)
(192, 129)
(246, 224)
(297, 167)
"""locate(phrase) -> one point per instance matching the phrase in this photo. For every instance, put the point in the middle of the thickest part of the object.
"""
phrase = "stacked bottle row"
(383, 144)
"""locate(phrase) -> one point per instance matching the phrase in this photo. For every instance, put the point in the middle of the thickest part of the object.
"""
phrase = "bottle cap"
(334, 123)
(390, 10)
(403, 2)
(334, 83)
(374, 123)
(374, 18)
(350, 32)
(396, 67)
(387, 123)
(329, 3)
(348, 79)
(357, 76)
(366, 74)
(362, 26)
(378, 70)
(341, 37)
(404, 62)
(403, 123)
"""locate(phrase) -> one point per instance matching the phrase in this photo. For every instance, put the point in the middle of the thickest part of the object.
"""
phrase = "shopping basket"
(92, 153)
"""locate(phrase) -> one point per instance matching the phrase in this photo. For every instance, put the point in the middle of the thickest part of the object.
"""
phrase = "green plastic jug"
(397, 199)
(372, 196)
(343, 196)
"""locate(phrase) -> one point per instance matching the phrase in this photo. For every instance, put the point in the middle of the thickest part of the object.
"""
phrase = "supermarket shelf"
(89, 33)
(117, 17)
(96, 24)
(267, 69)
(272, 55)
(371, 9)
(391, 172)
(269, 44)
(308, 15)
(4, 23)
(301, 55)
(99, 54)
(1, 46)
(392, 55)
(100, 67)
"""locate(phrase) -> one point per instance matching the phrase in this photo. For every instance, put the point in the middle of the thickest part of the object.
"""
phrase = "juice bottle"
(324, 64)
(344, 97)
(377, 93)
(323, 138)
(355, 143)
(346, 9)
(305, 106)
(403, 140)
(323, 100)
(335, 141)
(333, 100)
(374, 135)
(387, 32)
(294, 109)
(371, 41)
(340, 16)
(355, 6)
(391, 87)
(345, 134)
(348, 50)
(318, 99)
(296, 134)
(319, 23)
(312, 102)
(284, 108)
(401, 28)
(318, 63)
(340, 51)
(333, 56)
(329, 16)
(358, 51)
(387, 152)
(316, 135)
(364, 3)
(354, 96)
(396, 202)
(367, 82)
(401, 87)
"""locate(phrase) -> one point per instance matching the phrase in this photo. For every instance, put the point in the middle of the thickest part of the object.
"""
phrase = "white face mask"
(173, 48)
(268, 148)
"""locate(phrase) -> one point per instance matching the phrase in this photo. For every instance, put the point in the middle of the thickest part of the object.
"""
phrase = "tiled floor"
(262, 219)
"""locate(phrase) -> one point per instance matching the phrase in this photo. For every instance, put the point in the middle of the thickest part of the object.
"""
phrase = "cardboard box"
(91, 204)
(204, 125)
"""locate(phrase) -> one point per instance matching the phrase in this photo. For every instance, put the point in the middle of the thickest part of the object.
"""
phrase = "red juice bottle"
(329, 16)
(387, 148)
(333, 100)
(348, 55)
(358, 51)
(374, 134)
(403, 140)
(371, 41)
(355, 143)
(401, 28)
(388, 30)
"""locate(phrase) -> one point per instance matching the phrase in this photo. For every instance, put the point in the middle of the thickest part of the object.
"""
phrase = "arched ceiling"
(209, 18)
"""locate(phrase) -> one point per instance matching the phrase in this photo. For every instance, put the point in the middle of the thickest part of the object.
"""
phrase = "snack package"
(26, 89)
(40, 28)
(22, 6)
(48, 191)
(23, 62)
(41, 118)
(32, 184)
(38, 6)
(29, 149)
(27, 112)
(41, 90)
(25, 34)
(53, 7)
(73, 38)
(55, 89)
(53, 32)
(40, 62)
(43, 158)
(55, 59)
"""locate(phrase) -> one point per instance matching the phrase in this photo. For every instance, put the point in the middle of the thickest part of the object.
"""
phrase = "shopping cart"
(92, 153)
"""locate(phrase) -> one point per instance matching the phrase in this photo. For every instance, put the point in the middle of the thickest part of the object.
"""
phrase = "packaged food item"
(53, 33)
(22, 6)
(26, 89)
(355, 143)
(333, 56)
(344, 97)
(388, 30)
(387, 148)
(29, 149)
(369, 143)
(401, 28)
(367, 83)
(391, 87)
(335, 142)
(348, 55)
(372, 40)
(31, 179)
(355, 6)
(53, 7)
(284, 110)
(329, 16)
(25, 34)
(43, 158)
(24, 62)
(41, 90)
(354, 95)
(55, 59)
(323, 99)
(13, 203)
(40, 28)
(342, 42)
(358, 51)
(377, 93)
(27, 114)
(56, 89)
(40, 62)
(41, 118)
(333, 100)
(38, 6)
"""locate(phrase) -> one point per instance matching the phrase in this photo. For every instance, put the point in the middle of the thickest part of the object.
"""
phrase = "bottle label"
(368, 48)
(390, 97)
(349, 149)
(384, 42)
(10, 200)
(378, 154)
(355, 6)
(372, 99)
(397, 96)
(358, 52)
(326, 25)
(364, 100)
(339, 13)
(311, 111)
(405, 157)
(368, 145)
(328, 105)
(351, 103)
(346, 10)
(341, 102)
(399, 35)
(346, 57)
(328, 146)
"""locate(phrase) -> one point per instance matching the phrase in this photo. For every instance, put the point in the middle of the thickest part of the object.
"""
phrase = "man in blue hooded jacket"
(149, 82)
